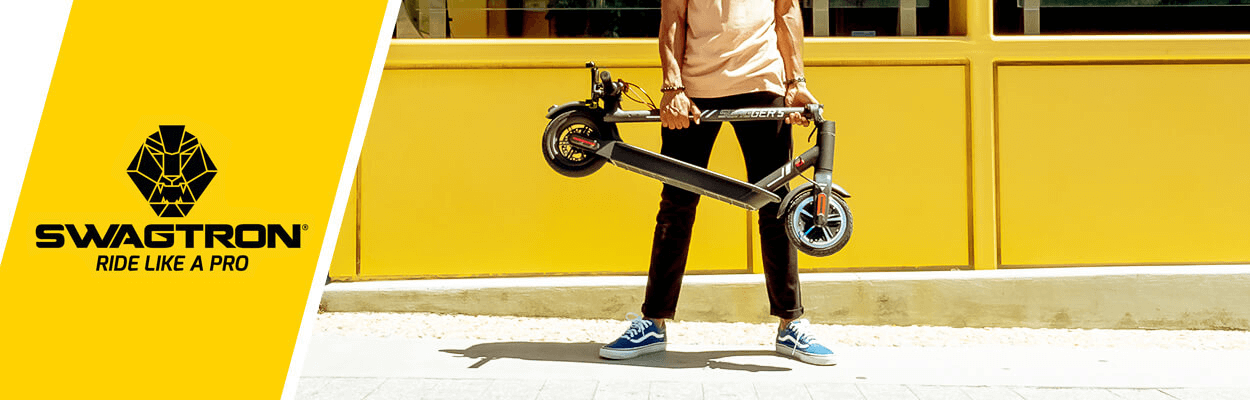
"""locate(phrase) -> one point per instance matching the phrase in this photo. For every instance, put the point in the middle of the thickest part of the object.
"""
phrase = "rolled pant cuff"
(788, 314)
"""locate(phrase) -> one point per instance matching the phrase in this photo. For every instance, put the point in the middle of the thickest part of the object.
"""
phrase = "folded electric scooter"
(582, 136)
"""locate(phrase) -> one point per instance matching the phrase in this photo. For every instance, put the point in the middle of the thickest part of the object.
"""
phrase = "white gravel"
(434, 326)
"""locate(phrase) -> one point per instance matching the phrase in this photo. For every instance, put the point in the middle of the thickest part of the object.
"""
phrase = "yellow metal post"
(983, 202)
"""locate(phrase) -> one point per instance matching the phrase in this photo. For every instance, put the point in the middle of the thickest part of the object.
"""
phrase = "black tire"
(800, 227)
(562, 156)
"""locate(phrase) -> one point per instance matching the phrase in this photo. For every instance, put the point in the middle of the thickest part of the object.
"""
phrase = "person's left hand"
(797, 95)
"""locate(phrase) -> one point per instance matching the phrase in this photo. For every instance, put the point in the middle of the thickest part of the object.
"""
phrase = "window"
(1121, 16)
(641, 18)
(880, 18)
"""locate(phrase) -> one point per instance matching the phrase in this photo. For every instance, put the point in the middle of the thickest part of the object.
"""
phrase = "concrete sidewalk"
(392, 368)
(1163, 297)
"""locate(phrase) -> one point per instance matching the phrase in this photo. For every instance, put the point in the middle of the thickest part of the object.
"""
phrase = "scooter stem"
(824, 172)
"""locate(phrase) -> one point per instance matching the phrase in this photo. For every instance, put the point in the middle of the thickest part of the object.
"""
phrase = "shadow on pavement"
(589, 353)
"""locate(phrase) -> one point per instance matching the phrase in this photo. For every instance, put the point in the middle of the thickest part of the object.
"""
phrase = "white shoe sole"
(613, 354)
(806, 357)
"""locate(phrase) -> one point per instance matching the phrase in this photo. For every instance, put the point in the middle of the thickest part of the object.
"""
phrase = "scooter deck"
(686, 176)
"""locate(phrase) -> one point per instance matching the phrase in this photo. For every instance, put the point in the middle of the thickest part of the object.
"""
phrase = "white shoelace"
(637, 325)
(803, 336)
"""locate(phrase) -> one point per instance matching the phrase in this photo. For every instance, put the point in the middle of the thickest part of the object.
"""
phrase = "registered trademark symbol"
(305, 227)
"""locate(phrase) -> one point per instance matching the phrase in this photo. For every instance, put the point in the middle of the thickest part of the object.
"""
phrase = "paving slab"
(342, 389)
(926, 392)
(622, 390)
(1013, 366)
(395, 388)
(728, 391)
(847, 391)
(439, 388)
(390, 368)
(990, 393)
(1065, 394)
(886, 392)
(513, 389)
(1141, 394)
(1208, 393)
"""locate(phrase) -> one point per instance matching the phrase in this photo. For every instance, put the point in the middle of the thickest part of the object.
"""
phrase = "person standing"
(721, 54)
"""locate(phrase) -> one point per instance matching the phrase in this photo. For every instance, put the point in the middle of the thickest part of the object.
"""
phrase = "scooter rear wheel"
(563, 157)
(800, 224)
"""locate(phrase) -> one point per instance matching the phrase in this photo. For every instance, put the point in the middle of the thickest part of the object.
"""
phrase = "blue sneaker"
(797, 341)
(642, 337)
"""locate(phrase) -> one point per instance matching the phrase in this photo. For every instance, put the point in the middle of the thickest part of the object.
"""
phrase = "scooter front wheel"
(562, 156)
(807, 236)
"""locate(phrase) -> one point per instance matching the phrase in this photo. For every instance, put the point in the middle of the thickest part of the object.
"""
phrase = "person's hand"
(797, 95)
(676, 110)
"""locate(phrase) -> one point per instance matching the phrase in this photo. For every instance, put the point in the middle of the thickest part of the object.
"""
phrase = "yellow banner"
(178, 194)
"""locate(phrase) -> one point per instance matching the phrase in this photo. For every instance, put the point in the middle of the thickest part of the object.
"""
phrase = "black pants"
(765, 147)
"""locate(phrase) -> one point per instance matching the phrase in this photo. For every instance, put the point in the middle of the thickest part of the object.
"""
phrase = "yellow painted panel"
(1124, 164)
(454, 183)
(343, 265)
(902, 154)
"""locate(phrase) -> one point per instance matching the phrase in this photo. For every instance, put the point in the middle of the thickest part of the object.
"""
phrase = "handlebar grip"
(609, 88)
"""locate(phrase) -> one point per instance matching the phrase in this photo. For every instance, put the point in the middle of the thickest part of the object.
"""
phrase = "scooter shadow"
(589, 353)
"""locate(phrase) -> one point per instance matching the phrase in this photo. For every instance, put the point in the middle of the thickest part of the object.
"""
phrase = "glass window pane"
(1066, 17)
(883, 18)
(641, 18)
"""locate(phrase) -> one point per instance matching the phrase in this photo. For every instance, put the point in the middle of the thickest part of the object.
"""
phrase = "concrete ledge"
(1184, 297)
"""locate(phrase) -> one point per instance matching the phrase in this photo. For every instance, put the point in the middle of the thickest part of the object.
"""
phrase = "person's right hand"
(676, 110)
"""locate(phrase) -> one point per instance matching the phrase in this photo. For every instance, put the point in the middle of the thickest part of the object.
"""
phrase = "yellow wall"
(462, 188)
(1124, 164)
(948, 145)
(901, 152)
(343, 265)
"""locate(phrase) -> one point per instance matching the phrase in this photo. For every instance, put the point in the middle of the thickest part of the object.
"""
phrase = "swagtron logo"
(171, 170)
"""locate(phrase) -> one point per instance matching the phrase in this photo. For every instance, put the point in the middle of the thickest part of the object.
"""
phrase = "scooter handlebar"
(605, 87)
(609, 88)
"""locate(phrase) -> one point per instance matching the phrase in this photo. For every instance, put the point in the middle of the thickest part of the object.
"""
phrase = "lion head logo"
(172, 170)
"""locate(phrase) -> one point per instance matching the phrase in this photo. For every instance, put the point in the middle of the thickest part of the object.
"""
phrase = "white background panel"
(30, 37)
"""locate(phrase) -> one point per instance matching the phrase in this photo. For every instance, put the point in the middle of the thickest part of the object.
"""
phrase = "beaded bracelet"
(789, 82)
(672, 88)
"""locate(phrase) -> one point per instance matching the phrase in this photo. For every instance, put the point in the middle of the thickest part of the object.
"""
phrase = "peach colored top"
(731, 48)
